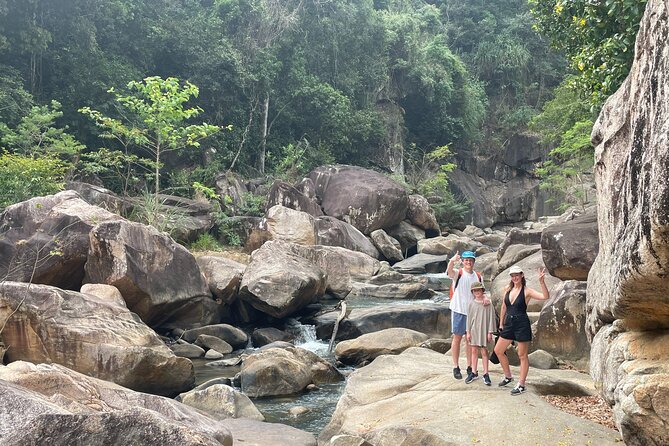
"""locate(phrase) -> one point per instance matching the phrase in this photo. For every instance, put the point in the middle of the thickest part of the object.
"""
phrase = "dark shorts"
(517, 328)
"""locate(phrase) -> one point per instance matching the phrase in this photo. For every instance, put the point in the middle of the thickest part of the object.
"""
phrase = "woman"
(515, 324)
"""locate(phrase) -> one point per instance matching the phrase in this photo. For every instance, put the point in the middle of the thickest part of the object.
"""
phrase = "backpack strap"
(457, 280)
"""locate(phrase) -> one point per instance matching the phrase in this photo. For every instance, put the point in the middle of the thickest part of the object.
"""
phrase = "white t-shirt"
(463, 294)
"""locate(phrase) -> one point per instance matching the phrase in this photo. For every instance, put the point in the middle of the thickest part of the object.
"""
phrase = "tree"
(154, 116)
(596, 36)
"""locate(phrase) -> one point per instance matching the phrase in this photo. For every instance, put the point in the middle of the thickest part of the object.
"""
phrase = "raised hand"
(456, 257)
(542, 274)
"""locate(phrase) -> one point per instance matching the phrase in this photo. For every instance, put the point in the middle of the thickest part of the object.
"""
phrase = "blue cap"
(468, 255)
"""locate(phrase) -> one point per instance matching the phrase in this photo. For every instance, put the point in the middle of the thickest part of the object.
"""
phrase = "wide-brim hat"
(477, 286)
(515, 270)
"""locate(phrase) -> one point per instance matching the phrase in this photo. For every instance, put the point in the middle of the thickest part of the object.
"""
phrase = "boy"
(481, 324)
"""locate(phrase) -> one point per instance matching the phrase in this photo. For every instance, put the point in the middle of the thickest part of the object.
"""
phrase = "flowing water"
(320, 403)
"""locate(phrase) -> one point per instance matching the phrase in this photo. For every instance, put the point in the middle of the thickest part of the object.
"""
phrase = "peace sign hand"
(542, 274)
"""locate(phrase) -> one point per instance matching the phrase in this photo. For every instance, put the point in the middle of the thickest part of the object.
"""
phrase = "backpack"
(454, 285)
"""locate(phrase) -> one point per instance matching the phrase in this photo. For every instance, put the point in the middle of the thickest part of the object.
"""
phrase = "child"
(480, 326)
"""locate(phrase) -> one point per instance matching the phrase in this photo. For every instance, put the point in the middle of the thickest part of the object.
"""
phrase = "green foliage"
(36, 135)
(597, 37)
(559, 115)
(565, 175)
(122, 171)
(514, 67)
(427, 175)
(24, 176)
(206, 242)
(252, 205)
(564, 126)
(153, 121)
(293, 161)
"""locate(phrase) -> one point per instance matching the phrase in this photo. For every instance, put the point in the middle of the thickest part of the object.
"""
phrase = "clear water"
(320, 403)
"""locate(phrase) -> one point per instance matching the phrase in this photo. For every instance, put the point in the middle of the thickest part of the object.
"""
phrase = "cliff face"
(501, 186)
(628, 290)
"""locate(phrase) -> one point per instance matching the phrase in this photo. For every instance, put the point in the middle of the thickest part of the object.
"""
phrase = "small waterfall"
(305, 337)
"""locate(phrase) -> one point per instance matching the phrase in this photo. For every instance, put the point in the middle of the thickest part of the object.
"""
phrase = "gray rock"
(375, 401)
(569, 249)
(258, 433)
(232, 335)
(342, 266)
(223, 276)
(429, 318)
(279, 283)
(363, 198)
(365, 348)
(213, 342)
(50, 404)
(221, 402)
(284, 371)
(388, 246)
(264, 336)
(422, 263)
(627, 294)
(407, 235)
(89, 335)
(45, 239)
(421, 214)
(560, 329)
(333, 232)
(518, 236)
(187, 351)
(158, 278)
(541, 359)
(282, 193)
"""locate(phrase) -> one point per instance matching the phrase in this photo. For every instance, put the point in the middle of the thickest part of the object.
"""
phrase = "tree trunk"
(263, 141)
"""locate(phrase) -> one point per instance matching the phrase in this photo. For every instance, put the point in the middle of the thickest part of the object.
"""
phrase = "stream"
(320, 403)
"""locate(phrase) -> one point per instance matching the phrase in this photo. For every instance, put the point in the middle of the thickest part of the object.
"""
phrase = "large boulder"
(363, 198)
(387, 245)
(447, 245)
(284, 371)
(628, 292)
(404, 399)
(51, 404)
(517, 236)
(158, 278)
(407, 235)
(221, 402)
(560, 329)
(430, 318)
(282, 193)
(342, 267)
(234, 336)
(45, 239)
(89, 335)
(333, 232)
(391, 341)
(259, 433)
(284, 224)
(392, 285)
(569, 249)
(422, 263)
(223, 276)
(421, 214)
(278, 282)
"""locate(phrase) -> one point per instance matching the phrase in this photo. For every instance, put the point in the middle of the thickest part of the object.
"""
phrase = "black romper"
(516, 322)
